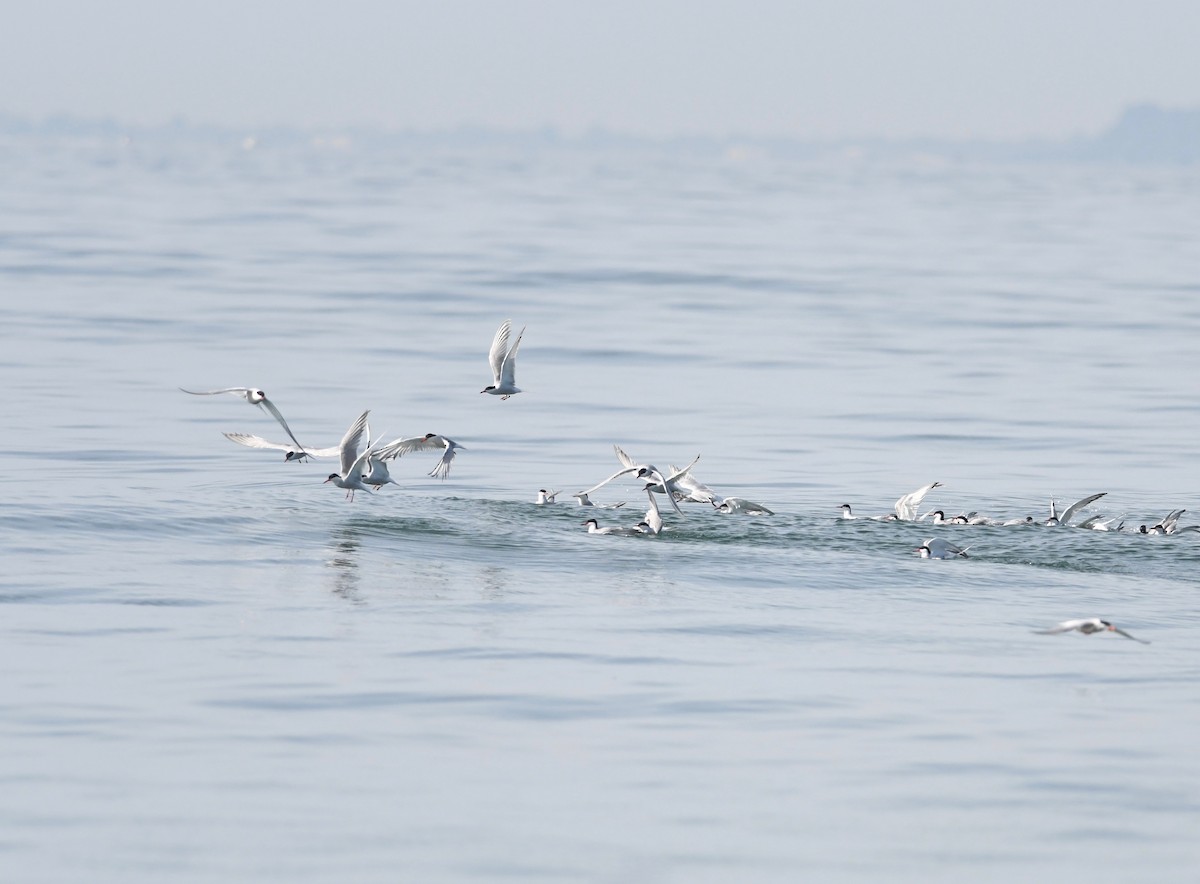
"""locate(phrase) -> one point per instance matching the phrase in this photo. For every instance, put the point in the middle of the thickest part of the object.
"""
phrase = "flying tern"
(350, 461)
(428, 442)
(644, 471)
(290, 452)
(504, 363)
(1087, 627)
(689, 488)
(254, 396)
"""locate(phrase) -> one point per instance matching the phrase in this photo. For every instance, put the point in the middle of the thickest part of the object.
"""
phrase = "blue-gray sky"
(947, 68)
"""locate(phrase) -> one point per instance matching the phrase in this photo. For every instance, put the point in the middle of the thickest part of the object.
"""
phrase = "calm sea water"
(215, 668)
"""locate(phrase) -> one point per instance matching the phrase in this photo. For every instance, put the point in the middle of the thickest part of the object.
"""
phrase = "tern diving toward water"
(350, 461)
(504, 363)
(936, 548)
(1087, 627)
(906, 506)
(254, 396)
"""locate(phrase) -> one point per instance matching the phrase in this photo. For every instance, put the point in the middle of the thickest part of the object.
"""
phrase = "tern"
(290, 452)
(1168, 524)
(545, 496)
(1087, 627)
(428, 442)
(936, 548)
(584, 500)
(594, 528)
(377, 473)
(351, 461)
(741, 506)
(644, 471)
(504, 363)
(1064, 520)
(906, 506)
(254, 396)
(653, 522)
(690, 489)
(847, 513)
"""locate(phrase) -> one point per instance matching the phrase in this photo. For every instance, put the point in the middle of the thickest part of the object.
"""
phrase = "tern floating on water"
(545, 496)
(937, 548)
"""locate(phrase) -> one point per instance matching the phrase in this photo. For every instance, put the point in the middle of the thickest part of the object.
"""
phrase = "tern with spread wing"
(254, 396)
(290, 452)
(428, 442)
(504, 363)
(906, 506)
(1064, 520)
(1087, 627)
(350, 461)
(936, 548)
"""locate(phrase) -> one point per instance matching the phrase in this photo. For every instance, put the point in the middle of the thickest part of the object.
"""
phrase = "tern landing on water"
(1064, 520)
(503, 362)
(1087, 627)
(545, 497)
(936, 548)
(906, 506)
(350, 461)
(254, 396)
(428, 442)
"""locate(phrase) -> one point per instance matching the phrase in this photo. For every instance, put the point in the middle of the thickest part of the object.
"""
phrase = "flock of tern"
(367, 470)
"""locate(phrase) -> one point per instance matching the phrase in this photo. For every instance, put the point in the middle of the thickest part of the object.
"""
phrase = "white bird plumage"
(906, 506)
(1088, 626)
(503, 361)
(350, 461)
(428, 442)
(937, 548)
(254, 396)
(291, 452)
